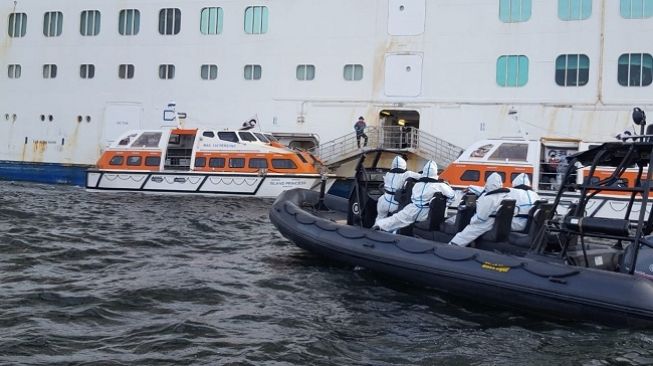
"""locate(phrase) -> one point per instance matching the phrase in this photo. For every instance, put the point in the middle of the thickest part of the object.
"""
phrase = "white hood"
(521, 180)
(430, 170)
(493, 182)
(398, 163)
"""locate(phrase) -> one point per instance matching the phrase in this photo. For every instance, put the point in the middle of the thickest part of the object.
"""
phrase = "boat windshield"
(261, 137)
(246, 136)
(148, 139)
(228, 136)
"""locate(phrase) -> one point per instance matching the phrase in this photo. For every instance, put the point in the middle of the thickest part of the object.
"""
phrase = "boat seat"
(525, 240)
(403, 195)
(447, 229)
(502, 221)
(531, 214)
(466, 210)
(437, 208)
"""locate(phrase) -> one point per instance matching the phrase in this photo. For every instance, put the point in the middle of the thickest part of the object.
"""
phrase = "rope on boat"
(230, 181)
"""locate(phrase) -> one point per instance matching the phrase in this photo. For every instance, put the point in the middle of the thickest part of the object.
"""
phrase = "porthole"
(14, 117)
(42, 117)
(88, 119)
(402, 8)
(50, 118)
(79, 118)
(408, 69)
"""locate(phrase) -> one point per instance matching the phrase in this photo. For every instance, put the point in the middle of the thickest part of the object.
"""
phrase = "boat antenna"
(250, 123)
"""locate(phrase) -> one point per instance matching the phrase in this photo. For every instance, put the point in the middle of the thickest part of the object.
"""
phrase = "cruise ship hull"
(50, 173)
(432, 65)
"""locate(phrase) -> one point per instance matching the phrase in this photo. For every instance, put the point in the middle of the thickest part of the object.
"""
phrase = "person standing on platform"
(359, 127)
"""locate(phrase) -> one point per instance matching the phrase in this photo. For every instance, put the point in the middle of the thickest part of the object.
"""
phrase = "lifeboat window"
(481, 151)
(283, 164)
(261, 137)
(471, 176)
(510, 151)
(621, 183)
(237, 163)
(594, 181)
(228, 136)
(502, 174)
(134, 160)
(208, 134)
(246, 136)
(148, 139)
(216, 162)
(514, 175)
(117, 160)
(125, 141)
(301, 158)
(152, 160)
(258, 163)
(200, 162)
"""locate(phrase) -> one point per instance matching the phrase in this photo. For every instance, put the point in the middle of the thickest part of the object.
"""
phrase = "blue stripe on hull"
(43, 172)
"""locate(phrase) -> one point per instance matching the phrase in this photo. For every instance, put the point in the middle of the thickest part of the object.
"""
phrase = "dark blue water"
(112, 279)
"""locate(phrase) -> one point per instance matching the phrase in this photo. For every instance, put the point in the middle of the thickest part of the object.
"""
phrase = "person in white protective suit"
(486, 205)
(392, 182)
(418, 209)
(525, 198)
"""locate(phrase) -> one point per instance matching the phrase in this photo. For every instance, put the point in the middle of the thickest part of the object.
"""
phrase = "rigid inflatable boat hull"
(527, 284)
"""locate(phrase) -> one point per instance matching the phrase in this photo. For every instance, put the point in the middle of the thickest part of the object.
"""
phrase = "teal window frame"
(353, 72)
(87, 71)
(209, 72)
(256, 19)
(635, 69)
(129, 22)
(572, 70)
(90, 22)
(305, 72)
(574, 9)
(211, 20)
(512, 70)
(253, 72)
(17, 25)
(52, 23)
(14, 71)
(636, 9)
(515, 11)
(166, 71)
(126, 71)
(49, 71)
(169, 21)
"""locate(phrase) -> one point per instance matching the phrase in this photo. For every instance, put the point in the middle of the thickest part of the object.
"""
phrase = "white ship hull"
(432, 62)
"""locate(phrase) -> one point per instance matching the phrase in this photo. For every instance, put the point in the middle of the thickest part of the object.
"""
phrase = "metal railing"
(407, 139)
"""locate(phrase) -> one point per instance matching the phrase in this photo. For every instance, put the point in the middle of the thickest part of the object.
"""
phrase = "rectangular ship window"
(52, 23)
(17, 25)
(89, 23)
(129, 22)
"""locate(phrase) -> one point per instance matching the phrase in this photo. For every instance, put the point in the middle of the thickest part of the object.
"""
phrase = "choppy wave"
(131, 279)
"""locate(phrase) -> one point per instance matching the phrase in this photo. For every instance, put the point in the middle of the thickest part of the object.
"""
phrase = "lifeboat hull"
(534, 284)
(265, 186)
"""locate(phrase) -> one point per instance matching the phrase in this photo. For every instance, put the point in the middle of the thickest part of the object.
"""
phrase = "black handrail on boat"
(622, 156)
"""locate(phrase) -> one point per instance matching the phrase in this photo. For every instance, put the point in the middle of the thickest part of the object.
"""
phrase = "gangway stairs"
(409, 140)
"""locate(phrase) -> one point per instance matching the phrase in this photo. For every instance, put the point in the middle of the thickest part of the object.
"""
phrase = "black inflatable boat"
(568, 266)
